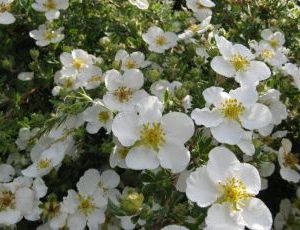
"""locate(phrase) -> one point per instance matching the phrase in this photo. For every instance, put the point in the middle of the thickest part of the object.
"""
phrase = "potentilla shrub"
(148, 114)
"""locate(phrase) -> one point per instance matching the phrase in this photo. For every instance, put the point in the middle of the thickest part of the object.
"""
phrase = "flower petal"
(142, 158)
(206, 117)
(222, 67)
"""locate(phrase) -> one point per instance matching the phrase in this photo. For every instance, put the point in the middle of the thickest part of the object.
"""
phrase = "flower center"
(199, 5)
(239, 62)
(123, 152)
(123, 94)
(233, 192)
(50, 5)
(274, 43)
(50, 209)
(152, 135)
(7, 200)
(94, 78)
(290, 160)
(78, 63)
(268, 54)
(130, 64)
(86, 205)
(103, 116)
(44, 164)
(232, 109)
(48, 35)
(4, 7)
(194, 28)
(69, 83)
(161, 40)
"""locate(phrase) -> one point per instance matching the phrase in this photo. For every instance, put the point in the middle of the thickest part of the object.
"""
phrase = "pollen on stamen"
(78, 63)
(103, 116)
(290, 160)
(130, 64)
(152, 135)
(86, 205)
(123, 94)
(7, 200)
(161, 40)
(239, 62)
(50, 5)
(232, 109)
(234, 192)
(44, 164)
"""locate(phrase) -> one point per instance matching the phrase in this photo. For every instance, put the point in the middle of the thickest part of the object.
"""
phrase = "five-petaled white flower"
(237, 61)
(230, 188)
(44, 36)
(158, 40)
(76, 60)
(97, 116)
(201, 8)
(124, 91)
(87, 207)
(227, 114)
(50, 7)
(134, 60)
(154, 139)
(5, 16)
(275, 39)
(288, 162)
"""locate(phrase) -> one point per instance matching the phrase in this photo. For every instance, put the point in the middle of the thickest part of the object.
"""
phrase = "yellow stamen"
(48, 35)
(161, 40)
(130, 64)
(267, 54)
(123, 94)
(123, 152)
(103, 116)
(274, 43)
(50, 5)
(69, 83)
(44, 164)
(78, 63)
(239, 62)
(152, 135)
(86, 205)
(234, 192)
(7, 200)
(232, 109)
(4, 7)
(94, 78)
(194, 28)
(290, 160)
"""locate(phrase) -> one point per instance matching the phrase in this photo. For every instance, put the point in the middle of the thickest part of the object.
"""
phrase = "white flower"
(155, 139)
(68, 79)
(124, 91)
(201, 52)
(279, 112)
(201, 8)
(141, 4)
(273, 57)
(25, 76)
(44, 36)
(19, 199)
(76, 60)
(48, 159)
(282, 217)
(294, 71)
(158, 40)
(118, 155)
(288, 162)
(134, 60)
(227, 114)
(229, 187)
(275, 39)
(87, 207)
(24, 136)
(159, 88)
(195, 29)
(50, 7)
(237, 61)
(265, 169)
(97, 116)
(5, 16)
(7, 172)
(90, 78)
